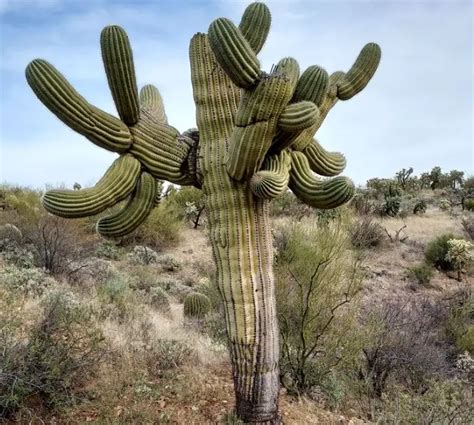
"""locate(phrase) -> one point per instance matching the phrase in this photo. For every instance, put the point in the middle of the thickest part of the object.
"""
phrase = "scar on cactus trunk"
(254, 141)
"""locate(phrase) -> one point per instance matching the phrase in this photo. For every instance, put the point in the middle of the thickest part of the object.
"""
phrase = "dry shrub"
(366, 233)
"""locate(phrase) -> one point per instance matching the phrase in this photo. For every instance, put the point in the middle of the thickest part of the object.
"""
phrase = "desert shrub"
(188, 203)
(391, 206)
(117, 299)
(443, 402)
(108, 250)
(469, 204)
(437, 250)
(444, 205)
(161, 229)
(15, 254)
(32, 281)
(363, 202)
(460, 254)
(164, 355)
(421, 274)
(420, 206)
(289, 205)
(460, 325)
(316, 303)
(468, 225)
(404, 345)
(50, 359)
(366, 233)
(159, 299)
(168, 263)
(465, 365)
(143, 255)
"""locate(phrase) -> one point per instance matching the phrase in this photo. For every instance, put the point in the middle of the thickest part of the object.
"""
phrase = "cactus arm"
(298, 116)
(324, 194)
(272, 180)
(357, 78)
(117, 183)
(62, 100)
(323, 162)
(118, 62)
(255, 25)
(134, 213)
(152, 102)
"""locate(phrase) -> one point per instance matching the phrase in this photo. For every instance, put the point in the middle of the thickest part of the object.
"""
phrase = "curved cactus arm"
(134, 213)
(54, 91)
(360, 73)
(255, 25)
(152, 102)
(117, 183)
(272, 180)
(298, 116)
(323, 194)
(311, 88)
(323, 162)
(118, 62)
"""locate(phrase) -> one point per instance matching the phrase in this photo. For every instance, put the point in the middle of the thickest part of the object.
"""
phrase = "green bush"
(421, 273)
(49, 359)
(391, 206)
(317, 281)
(460, 326)
(469, 204)
(437, 250)
(420, 206)
(117, 299)
(31, 281)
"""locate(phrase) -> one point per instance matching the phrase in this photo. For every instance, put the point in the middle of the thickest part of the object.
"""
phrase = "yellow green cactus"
(255, 139)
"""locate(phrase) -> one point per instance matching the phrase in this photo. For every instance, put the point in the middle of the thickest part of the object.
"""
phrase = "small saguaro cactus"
(196, 305)
(255, 139)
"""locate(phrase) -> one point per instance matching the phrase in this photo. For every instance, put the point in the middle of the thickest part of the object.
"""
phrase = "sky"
(416, 112)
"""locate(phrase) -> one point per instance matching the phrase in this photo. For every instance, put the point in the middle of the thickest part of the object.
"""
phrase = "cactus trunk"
(240, 235)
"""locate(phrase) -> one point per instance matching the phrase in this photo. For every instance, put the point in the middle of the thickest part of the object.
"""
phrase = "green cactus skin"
(151, 101)
(134, 213)
(196, 305)
(323, 194)
(255, 25)
(298, 116)
(272, 180)
(118, 61)
(234, 53)
(235, 157)
(117, 183)
(323, 162)
(360, 73)
(70, 107)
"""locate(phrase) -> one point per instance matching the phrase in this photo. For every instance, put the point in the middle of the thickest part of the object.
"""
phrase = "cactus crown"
(272, 145)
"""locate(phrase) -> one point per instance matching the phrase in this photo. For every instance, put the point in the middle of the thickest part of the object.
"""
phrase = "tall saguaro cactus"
(255, 139)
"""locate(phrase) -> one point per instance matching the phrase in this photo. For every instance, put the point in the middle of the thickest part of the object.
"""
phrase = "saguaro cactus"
(254, 140)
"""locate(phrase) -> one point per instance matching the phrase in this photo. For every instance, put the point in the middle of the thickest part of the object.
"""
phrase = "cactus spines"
(70, 107)
(312, 85)
(272, 180)
(323, 162)
(134, 213)
(116, 184)
(234, 53)
(255, 25)
(298, 116)
(255, 139)
(323, 194)
(118, 62)
(151, 101)
(196, 305)
(360, 73)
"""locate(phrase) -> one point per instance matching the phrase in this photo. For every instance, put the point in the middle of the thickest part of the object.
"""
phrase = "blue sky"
(417, 111)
